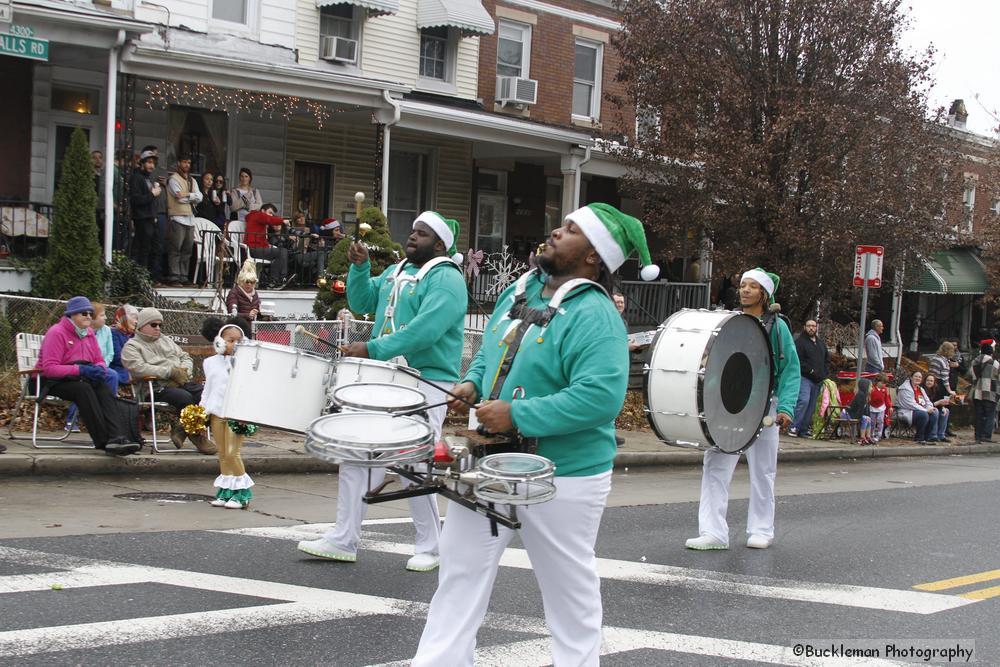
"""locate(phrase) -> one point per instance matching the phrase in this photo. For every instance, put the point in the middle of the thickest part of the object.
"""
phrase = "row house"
(484, 111)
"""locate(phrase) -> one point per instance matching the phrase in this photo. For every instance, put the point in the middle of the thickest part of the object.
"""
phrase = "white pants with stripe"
(559, 536)
(762, 459)
(353, 484)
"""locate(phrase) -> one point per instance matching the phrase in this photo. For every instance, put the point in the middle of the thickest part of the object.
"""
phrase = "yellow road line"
(982, 594)
(945, 584)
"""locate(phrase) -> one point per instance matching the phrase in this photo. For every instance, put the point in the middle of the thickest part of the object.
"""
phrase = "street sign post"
(867, 273)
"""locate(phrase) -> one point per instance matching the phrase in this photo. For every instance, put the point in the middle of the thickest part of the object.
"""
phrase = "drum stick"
(414, 374)
(302, 330)
(407, 413)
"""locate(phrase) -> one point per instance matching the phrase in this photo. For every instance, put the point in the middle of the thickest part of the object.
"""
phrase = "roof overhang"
(279, 79)
(468, 16)
(488, 127)
(954, 271)
(65, 23)
(376, 7)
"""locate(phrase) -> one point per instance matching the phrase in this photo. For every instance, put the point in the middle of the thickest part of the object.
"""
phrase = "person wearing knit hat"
(419, 307)
(74, 369)
(152, 354)
(757, 291)
(243, 299)
(552, 367)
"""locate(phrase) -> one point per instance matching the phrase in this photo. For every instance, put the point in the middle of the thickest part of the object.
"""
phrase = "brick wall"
(552, 61)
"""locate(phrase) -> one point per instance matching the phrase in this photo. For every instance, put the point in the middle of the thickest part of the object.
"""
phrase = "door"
(491, 222)
(63, 135)
(311, 187)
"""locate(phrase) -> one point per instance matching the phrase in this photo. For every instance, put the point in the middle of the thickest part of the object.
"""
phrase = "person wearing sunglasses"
(152, 354)
(73, 368)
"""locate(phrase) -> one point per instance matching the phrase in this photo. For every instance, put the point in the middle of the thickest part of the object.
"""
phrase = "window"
(199, 133)
(513, 49)
(75, 100)
(434, 53)
(995, 209)
(969, 196)
(587, 79)
(233, 11)
(408, 191)
(647, 124)
(337, 21)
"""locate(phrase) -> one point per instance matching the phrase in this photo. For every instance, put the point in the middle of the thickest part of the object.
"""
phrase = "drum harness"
(399, 281)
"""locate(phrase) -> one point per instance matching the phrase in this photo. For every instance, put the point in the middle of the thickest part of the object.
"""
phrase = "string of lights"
(162, 94)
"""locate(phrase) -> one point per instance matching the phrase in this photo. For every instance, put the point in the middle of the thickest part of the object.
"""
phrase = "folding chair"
(27, 348)
(143, 390)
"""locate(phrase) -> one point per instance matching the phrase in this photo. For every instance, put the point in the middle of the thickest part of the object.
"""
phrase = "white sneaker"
(758, 542)
(218, 502)
(423, 562)
(234, 505)
(705, 543)
(324, 549)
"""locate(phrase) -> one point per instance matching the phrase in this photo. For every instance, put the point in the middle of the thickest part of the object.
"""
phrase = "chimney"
(958, 115)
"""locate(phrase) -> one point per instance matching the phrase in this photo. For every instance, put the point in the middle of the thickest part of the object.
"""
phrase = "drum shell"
(515, 487)
(276, 386)
(370, 447)
(682, 355)
(354, 370)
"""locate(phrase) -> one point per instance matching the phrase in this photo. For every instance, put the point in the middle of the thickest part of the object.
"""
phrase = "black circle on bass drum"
(709, 380)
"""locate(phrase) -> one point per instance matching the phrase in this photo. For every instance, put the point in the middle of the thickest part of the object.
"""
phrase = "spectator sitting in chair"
(243, 299)
(258, 225)
(73, 369)
(330, 229)
(913, 406)
(125, 318)
(940, 399)
(153, 354)
(310, 258)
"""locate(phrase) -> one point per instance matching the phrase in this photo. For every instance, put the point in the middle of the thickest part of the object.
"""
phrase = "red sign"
(873, 254)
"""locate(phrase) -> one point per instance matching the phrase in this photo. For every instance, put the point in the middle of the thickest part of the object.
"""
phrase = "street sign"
(22, 43)
(868, 265)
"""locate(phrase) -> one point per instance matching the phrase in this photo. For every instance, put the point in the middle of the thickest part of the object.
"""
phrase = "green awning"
(955, 271)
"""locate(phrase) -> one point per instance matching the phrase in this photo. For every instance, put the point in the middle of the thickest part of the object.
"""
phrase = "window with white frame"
(587, 79)
(513, 49)
(435, 49)
(342, 22)
(647, 124)
(231, 11)
(968, 202)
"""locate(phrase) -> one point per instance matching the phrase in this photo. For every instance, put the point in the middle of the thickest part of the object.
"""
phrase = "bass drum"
(709, 380)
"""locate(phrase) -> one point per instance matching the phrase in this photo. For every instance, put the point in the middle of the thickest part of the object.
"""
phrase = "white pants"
(762, 459)
(559, 536)
(353, 484)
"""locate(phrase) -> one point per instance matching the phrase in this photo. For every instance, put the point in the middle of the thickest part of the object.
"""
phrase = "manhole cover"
(167, 497)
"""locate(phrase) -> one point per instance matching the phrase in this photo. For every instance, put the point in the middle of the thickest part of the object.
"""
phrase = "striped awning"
(955, 271)
(373, 6)
(468, 16)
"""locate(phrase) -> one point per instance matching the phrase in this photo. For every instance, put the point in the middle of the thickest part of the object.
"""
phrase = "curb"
(18, 465)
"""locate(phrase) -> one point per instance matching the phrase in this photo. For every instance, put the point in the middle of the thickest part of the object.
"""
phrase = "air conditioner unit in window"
(338, 49)
(515, 90)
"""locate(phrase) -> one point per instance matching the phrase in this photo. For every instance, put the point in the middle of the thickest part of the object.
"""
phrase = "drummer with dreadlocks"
(553, 366)
(757, 288)
(419, 307)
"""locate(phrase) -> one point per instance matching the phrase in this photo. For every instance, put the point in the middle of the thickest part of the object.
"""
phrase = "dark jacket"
(141, 197)
(814, 358)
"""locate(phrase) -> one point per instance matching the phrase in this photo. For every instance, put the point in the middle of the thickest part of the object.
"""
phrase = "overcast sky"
(965, 34)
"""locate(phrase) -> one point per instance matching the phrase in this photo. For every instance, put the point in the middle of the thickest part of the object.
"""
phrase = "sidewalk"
(274, 451)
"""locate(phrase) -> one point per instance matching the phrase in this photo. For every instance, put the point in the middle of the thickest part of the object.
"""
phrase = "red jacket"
(879, 397)
(257, 224)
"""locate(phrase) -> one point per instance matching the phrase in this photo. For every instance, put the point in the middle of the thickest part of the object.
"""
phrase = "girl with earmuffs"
(233, 483)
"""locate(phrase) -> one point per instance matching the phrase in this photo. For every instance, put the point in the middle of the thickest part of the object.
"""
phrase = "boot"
(177, 435)
(203, 444)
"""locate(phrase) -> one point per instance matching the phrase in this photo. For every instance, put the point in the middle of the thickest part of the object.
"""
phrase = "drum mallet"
(302, 330)
(416, 375)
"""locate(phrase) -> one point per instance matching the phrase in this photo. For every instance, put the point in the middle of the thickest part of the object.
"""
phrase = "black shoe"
(950, 433)
(121, 448)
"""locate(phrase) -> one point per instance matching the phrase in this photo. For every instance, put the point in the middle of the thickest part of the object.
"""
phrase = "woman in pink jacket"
(73, 369)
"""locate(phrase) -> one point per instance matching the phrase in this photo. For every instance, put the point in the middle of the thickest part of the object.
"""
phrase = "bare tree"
(786, 131)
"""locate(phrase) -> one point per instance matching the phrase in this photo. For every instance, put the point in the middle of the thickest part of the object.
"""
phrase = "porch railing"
(24, 228)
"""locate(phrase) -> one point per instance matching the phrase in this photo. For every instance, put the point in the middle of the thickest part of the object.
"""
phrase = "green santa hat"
(615, 236)
(446, 230)
(769, 281)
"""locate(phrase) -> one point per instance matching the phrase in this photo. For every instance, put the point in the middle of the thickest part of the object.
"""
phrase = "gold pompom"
(194, 419)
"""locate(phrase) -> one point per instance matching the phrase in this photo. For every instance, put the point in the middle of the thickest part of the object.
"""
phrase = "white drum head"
(379, 397)
(374, 429)
(516, 465)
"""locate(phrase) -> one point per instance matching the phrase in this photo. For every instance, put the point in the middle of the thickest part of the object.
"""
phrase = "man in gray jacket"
(874, 354)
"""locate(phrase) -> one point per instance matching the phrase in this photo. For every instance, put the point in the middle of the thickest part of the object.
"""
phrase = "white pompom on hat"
(615, 235)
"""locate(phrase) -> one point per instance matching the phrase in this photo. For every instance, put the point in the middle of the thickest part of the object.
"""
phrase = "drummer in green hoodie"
(553, 365)
(419, 307)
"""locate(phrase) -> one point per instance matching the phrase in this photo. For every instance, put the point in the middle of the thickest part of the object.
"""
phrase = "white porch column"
(110, 104)
(570, 165)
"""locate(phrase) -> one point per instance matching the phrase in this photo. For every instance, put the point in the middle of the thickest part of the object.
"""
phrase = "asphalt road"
(854, 541)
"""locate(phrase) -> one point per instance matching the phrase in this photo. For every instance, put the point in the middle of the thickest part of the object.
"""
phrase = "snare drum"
(709, 380)
(276, 386)
(355, 370)
(377, 397)
(515, 479)
(370, 439)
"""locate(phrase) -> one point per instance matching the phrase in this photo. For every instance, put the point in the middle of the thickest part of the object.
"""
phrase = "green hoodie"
(786, 370)
(429, 316)
(574, 376)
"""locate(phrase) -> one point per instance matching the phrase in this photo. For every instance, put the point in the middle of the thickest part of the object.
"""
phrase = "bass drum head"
(735, 393)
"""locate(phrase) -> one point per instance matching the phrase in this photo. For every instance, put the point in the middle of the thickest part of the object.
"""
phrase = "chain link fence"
(339, 332)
